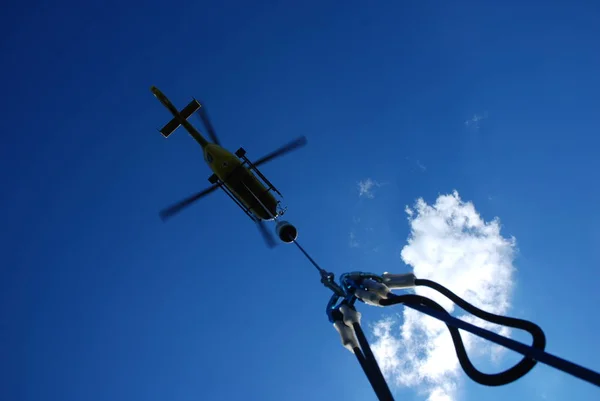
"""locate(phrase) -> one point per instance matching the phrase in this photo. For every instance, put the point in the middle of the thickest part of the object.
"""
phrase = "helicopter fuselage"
(242, 182)
(230, 172)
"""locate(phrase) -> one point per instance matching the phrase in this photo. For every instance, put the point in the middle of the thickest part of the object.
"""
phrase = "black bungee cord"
(374, 289)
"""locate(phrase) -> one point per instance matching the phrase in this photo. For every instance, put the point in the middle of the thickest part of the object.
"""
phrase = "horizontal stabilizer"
(187, 111)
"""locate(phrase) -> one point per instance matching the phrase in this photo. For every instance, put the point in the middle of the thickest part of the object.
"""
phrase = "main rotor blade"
(296, 143)
(267, 235)
(179, 206)
(209, 128)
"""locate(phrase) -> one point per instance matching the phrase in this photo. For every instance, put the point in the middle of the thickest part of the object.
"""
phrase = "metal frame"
(253, 167)
(241, 154)
(237, 202)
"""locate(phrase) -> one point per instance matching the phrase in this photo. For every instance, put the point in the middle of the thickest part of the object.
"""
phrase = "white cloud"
(451, 244)
(365, 188)
(422, 167)
(474, 121)
(353, 242)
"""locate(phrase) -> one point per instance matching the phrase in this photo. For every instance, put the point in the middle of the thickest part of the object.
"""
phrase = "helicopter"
(236, 175)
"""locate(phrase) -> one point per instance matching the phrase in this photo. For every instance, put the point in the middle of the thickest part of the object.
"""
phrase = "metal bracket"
(259, 173)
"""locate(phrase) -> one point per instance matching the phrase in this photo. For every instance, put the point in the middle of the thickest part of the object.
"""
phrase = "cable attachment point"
(351, 315)
(367, 287)
(328, 280)
(347, 323)
(399, 281)
(345, 330)
(371, 292)
(344, 319)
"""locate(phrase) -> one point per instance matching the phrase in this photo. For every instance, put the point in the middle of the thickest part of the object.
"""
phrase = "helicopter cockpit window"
(209, 157)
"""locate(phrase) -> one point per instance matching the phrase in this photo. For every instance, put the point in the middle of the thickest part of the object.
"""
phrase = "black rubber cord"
(376, 376)
(381, 390)
(497, 379)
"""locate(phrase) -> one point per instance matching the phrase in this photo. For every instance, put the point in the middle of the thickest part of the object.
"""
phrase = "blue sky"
(102, 301)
